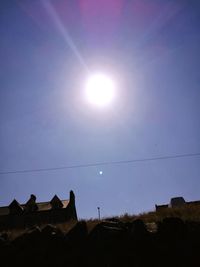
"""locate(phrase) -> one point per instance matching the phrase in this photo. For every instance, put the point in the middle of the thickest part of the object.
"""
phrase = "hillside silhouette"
(169, 238)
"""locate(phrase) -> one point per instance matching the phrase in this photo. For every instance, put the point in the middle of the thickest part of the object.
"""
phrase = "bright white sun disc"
(100, 89)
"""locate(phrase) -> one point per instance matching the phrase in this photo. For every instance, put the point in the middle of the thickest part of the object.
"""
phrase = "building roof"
(56, 202)
(177, 202)
(42, 206)
(197, 202)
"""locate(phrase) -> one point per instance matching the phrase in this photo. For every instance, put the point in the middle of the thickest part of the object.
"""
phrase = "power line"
(101, 164)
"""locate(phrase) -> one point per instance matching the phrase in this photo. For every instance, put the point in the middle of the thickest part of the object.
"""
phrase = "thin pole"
(99, 213)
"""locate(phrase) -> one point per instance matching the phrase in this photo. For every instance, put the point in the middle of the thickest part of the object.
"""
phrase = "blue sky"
(151, 49)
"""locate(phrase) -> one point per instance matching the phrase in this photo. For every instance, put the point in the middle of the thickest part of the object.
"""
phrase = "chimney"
(72, 197)
(31, 205)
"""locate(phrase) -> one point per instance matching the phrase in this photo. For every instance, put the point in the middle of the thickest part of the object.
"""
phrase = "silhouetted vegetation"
(167, 238)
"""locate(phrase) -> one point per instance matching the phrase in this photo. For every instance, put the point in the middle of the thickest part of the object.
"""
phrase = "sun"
(100, 90)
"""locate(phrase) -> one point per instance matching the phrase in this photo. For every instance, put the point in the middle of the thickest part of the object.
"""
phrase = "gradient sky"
(151, 48)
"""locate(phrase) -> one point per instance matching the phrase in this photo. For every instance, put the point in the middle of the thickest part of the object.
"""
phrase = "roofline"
(46, 202)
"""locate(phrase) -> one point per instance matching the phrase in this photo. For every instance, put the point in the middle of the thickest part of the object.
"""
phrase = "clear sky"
(151, 49)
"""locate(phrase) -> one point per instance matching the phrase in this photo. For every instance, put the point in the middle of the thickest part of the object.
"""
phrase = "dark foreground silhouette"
(110, 243)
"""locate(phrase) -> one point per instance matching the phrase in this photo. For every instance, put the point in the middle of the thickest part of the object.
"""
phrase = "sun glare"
(100, 90)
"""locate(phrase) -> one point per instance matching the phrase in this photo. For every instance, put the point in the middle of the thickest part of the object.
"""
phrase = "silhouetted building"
(177, 202)
(32, 213)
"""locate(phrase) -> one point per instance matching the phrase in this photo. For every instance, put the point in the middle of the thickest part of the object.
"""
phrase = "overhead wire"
(105, 163)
